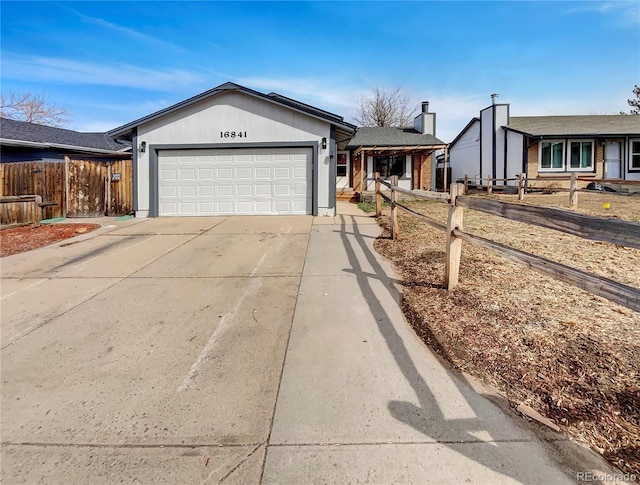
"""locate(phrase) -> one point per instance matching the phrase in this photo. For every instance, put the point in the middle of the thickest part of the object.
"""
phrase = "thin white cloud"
(453, 110)
(323, 93)
(68, 71)
(134, 34)
(626, 13)
(94, 126)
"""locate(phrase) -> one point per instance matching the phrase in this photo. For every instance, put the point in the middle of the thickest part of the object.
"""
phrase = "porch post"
(363, 168)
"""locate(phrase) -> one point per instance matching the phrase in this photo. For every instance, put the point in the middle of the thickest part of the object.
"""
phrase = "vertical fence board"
(121, 199)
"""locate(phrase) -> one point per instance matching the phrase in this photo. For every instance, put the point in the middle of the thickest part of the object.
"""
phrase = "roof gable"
(229, 86)
(464, 130)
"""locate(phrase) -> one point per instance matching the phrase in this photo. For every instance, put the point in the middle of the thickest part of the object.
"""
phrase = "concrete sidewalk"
(363, 400)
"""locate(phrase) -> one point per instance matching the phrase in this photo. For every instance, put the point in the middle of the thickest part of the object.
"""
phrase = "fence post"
(378, 197)
(573, 191)
(489, 185)
(466, 184)
(395, 228)
(521, 180)
(454, 244)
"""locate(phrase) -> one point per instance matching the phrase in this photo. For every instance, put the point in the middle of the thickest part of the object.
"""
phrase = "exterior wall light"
(324, 143)
(143, 147)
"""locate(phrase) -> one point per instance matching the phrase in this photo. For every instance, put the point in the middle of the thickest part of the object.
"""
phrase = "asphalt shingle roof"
(369, 136)
(576, 125)
(32, 132)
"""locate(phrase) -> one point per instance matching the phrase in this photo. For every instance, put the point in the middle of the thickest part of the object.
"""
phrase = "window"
(342, 165)
(388, 166)
(552, 155)
(580, 155)
(634, 155)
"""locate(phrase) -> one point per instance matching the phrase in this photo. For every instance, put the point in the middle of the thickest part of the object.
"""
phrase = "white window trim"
(564, 156)
(631, 153)
(590, 168)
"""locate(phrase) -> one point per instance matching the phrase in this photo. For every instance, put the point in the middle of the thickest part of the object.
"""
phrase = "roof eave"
(34, 144)
(384, 148)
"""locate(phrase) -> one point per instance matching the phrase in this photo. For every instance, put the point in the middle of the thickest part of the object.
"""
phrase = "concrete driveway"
(149, 353)
(242, 350)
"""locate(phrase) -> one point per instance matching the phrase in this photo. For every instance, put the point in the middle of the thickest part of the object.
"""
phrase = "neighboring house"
(405, 152)
(22, 141)
(502, 146)
(232, 150)
(75, 174)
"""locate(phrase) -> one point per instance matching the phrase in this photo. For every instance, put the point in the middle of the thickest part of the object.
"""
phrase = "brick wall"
(537, 179)
(425, 171)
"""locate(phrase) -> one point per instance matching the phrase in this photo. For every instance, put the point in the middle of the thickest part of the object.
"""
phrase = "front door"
(343, 169)
(612, 160)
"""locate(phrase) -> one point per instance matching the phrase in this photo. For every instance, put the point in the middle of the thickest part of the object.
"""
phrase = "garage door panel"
(187, 174)
(206, 191)
(263, 207)
(225, 190)
(243, 190)
(235, 181)
(284, 190)
(263, 190)
(281, 173)
(206, 173)
(187, 208)
(169, 174)
(263, 173)
(187, 191)
(168, 191)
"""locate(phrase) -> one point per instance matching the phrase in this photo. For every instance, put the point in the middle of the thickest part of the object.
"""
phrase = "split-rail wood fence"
(614, 231)
(523, 185)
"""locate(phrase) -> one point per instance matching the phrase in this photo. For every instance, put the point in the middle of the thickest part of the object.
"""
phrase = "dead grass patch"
(571, 355)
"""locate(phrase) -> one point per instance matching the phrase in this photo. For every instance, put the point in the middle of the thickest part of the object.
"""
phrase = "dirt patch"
(25, 238)
(572, 356)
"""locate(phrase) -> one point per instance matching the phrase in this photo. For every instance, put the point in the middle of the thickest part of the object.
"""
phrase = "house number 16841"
(233, 134)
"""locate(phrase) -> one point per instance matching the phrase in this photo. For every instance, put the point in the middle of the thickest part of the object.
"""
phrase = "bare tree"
(385, 108)
(635, 103)
(33, 108)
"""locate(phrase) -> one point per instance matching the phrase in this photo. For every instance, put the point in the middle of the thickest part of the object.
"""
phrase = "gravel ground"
(16, 240)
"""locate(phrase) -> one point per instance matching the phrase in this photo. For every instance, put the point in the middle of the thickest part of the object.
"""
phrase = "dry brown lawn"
(571, 355)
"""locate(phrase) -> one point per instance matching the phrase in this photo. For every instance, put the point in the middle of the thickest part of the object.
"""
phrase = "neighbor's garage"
(235, 181)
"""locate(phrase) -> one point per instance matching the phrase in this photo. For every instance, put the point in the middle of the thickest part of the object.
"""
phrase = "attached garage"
(235, 151)
(242, 181)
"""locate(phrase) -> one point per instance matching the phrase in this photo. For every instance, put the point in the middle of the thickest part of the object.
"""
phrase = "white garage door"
(234, 181)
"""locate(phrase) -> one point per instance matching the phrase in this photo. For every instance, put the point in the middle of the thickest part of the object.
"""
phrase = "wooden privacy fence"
(69, 188)
(614, 231)
(22, 208)
(45, 179)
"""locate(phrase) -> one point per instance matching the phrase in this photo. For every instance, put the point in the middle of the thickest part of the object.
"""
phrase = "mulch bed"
(572, 356)
(25, 238)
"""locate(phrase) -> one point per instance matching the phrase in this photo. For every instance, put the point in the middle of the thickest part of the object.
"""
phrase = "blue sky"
(113, 62)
